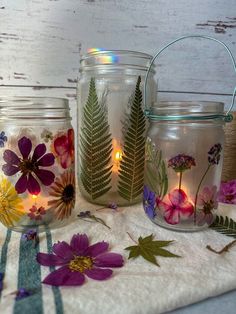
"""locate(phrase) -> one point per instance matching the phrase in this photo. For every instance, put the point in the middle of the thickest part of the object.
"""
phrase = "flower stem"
(180, 179)
(225, 248)
(198, 188)
(131, 237)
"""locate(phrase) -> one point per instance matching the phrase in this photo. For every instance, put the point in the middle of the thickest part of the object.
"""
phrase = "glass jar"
(184, 149)
(112, 125)
(37, 179)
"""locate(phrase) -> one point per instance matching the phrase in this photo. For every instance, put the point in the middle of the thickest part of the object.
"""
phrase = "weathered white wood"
(41, 41)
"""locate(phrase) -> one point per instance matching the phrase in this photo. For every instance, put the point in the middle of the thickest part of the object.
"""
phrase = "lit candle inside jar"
(116, 156)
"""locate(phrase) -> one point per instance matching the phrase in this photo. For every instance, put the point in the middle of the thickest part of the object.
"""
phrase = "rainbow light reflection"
(106, 59)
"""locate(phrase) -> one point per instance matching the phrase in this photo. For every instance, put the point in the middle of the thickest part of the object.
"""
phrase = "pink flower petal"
(96, 249)
(79, 243)
(10, 157)
(186, 209)
(21, 184)
(33, 185)
(64, 277)
(25, 146)
(172, 216)
(45, 176)
(39, 151)
(61, 145)
(177, 197)
(47, 160)
(98, 273)
(63, 250)
(65, 160)
(9, 169)
(49, 259)
(109, 260)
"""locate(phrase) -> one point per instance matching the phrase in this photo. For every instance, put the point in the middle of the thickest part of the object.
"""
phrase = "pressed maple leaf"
(149, 248)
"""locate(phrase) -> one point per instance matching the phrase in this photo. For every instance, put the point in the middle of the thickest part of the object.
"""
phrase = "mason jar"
(112, 126)
(183, 163)
(37, 179)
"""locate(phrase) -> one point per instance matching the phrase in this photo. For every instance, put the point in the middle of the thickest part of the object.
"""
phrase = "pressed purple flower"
(78, 259)
(31, 235)
(3, 139)
(149, 201)
(227, 192)
(85, 214)
(112, 205)
(181, 162)
(21, 294)
(214, 154)
(29, 166)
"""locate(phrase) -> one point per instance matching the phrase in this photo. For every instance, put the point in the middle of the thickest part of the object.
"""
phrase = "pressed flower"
(181, 162)
(207, 202)
(21, 294)
(3, 139)
(112, 205)
(36, 213)
(175, 206)
(30, 235)
(11, 206)
(227, 192)
(78, 259)
(46, 135)
(214, 154)
(29, 166)
(63, 191)
(149, 201)
(64, 148)
(87, 216)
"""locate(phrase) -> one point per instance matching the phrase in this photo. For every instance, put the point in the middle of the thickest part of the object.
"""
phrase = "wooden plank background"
(41, 42)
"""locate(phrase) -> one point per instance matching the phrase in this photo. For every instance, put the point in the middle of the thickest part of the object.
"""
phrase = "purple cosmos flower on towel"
(29, 166)
(78, 259)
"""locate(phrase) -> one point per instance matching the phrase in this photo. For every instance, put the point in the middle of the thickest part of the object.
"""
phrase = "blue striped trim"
(4, 250)
(56, 291)
(29, 278)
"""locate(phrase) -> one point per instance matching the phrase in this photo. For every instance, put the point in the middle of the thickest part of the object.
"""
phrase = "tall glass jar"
(37, 177)
(184, 149)
(112, 125)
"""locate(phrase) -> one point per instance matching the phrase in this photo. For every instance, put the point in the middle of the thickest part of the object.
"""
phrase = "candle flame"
(118, 155)
(34, 197)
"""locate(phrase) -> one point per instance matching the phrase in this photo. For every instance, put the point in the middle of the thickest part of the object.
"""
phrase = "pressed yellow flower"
(11, 206)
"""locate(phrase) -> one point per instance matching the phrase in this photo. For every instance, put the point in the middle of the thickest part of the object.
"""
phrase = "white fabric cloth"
(138, 287)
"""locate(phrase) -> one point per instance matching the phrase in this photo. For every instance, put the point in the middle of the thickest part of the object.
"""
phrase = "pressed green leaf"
(95, 146)
(155, 171)
(149, 248)
(131, 172)
(224, 225)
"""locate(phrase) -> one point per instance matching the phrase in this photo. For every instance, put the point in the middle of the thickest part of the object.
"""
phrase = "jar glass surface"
(112, 126)
(37, 179)
(183, 165)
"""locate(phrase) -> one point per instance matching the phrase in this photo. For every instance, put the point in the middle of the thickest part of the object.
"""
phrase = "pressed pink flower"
(228, 192)
(36, 213)
(64, 149)
(207, 203)
(78, 259)
(175, 206)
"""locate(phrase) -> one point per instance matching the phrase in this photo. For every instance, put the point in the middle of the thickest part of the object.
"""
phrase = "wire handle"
(227, 116)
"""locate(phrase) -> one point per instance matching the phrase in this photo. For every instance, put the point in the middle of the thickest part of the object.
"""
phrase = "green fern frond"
(95, 146)
(155, 171)
(224, 225)
(131, 172)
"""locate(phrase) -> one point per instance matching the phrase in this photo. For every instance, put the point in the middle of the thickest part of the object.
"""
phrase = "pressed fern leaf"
(155, 171)
(224, 225)
(95, 146)
(131, 172)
